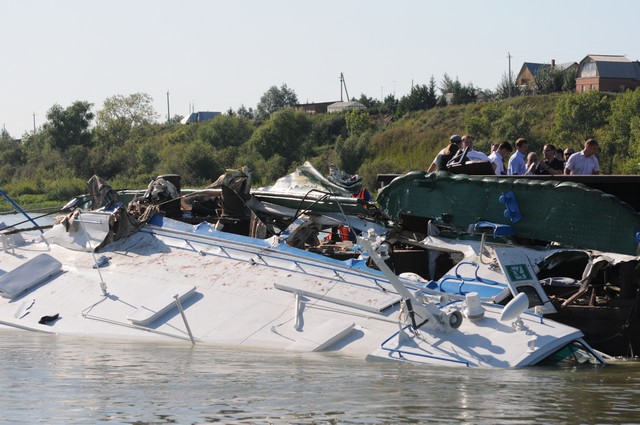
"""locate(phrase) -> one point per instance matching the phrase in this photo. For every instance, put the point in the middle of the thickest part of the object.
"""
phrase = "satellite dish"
(515, 307)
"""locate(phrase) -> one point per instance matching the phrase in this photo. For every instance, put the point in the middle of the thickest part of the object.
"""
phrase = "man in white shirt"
(473, 155)
(497, 157)
(585, 161)
(518, 161)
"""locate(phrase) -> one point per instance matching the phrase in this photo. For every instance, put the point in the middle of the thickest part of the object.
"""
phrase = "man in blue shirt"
(518, 161)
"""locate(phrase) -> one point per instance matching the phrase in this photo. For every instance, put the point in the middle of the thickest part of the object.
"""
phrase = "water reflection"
(66, 380)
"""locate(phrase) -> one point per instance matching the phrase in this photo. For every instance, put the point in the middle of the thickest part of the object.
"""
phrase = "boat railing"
(301, 264)
(402, 353)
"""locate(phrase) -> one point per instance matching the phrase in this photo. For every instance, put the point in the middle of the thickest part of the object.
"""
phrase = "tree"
(225, 130)
(68, 126)
(481, 125)
(460, 94)
(357, 122)
(390, 105)
(283, 134)
(513, 123)
(353, 151)
(421, 98)
(119, 114)
(578, 116)
(549, 79)
(621, 133)
(4, 134)
(246, 113)
(275, 99)
(507, 87)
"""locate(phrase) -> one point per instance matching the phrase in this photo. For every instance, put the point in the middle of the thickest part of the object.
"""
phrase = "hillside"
(53, 164)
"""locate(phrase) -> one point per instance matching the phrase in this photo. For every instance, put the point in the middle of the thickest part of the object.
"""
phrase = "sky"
(216, 55)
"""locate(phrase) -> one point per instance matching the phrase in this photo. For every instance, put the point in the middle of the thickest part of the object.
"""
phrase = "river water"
(63, 380)
(60, 380)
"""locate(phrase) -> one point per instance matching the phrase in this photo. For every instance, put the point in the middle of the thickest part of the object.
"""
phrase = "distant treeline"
(124, 144)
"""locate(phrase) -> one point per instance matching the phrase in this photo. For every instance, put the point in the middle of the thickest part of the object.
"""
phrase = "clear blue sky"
(218, 55)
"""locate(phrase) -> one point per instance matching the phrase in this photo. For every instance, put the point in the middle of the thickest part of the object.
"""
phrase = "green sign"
(518, 272)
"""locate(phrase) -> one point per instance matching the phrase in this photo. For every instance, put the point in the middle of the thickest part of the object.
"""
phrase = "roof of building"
(607, 58)
(345, 106)
(199, 117)
(532, 67)
(614, 66)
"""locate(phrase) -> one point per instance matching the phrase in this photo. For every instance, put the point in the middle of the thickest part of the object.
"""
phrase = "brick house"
(613, 73)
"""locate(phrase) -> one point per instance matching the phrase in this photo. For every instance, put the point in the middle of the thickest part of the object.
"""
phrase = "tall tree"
(421, 98)
(275, 99)
(459, 94)
(119, 114)
(68, 126)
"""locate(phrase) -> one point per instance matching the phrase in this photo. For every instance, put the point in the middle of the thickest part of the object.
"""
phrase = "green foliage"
(224, 131)
(621, 140)
(325, 129)
(282, 134)
(357, 122)
(195, 164)
(578, 116)
(353, 151)
(548, 79)
(460, 94)
(275, 99)
(119, 114)
(481, 125)
(370, 170)
(513, 123)
(68, 126)
(55, 163)
(420, 98)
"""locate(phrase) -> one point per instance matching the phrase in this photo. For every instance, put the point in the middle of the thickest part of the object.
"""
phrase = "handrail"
(17, 207)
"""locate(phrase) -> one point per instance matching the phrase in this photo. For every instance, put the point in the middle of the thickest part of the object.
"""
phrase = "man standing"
(518, 161)
(585, 161)
(550, 164)
(497, 157)
(473, 155)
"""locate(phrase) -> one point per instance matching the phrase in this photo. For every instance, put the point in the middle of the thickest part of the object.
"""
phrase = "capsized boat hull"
(243, 292)
(551, 210)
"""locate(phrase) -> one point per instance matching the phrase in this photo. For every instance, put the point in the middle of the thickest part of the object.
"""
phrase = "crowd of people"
(506, 159)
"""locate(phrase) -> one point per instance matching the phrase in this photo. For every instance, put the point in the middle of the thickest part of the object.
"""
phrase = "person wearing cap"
(455, 140)
(585, 161)
(497, 157)
(518, 161)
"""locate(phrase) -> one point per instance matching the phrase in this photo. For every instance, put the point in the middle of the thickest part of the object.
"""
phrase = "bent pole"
(17, 207)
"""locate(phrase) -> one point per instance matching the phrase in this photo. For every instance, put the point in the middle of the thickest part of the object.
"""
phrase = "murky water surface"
(60, 379)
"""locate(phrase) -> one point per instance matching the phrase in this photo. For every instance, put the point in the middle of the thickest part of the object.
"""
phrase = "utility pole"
(509, 57)
(168, 113)
(34, 123)
(343, 84)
